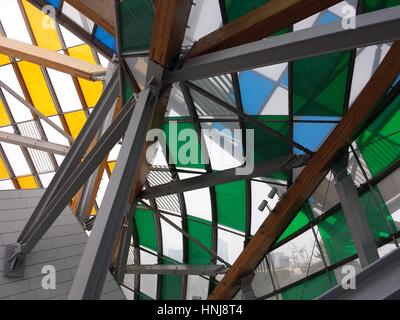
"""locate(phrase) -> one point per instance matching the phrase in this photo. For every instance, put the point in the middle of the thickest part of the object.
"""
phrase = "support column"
(354, 213)
(92, 270)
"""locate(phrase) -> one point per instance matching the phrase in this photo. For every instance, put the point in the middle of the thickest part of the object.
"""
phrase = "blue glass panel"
(311, 135)
(107, 39)
(55, 3)
(255, 89)
(327, 17)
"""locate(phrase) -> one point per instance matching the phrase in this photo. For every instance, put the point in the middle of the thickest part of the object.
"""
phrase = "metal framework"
(114, 233)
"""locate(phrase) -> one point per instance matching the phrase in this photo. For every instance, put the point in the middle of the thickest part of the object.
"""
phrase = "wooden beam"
(101, 12)
(362, 110)
(169, 29)
(50, 59)
(259, 23)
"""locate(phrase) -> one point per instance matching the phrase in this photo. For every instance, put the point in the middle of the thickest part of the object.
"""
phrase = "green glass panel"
(184, 146)
(380, 142)
(171, 285)
(200, 230)
(231, 205)
(311, 288)
(146, 228)
(298, 222)
(319, 85)
(266, 145)
(336, 235)
(142, 296)
(128, 90)
(372, 5)
(237, 8)
(136, 24)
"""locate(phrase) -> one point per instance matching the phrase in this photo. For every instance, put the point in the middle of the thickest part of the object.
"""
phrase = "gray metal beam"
(36, 144)
(354, 213)
(379, 281)
(377, 27)
(92, 270)
(177, 269)
(77, 151)
(210, 179)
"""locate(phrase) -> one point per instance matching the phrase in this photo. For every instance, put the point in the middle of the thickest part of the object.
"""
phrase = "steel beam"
(92, 270)
(177, 269)
(379, 281)
(77, 151)
(354, 213)
(377, 27)
(36, 144)
(210, 179)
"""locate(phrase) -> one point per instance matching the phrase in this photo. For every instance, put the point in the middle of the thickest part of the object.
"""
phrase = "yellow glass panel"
(37, 88)
(43, 27)
(3, 170)
(4, 120)
(76, 121)
(4, 60)
(91, 89)
(27, 182)
(111, 166)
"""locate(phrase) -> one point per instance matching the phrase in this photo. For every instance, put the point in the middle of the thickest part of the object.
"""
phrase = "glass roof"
(302, 100)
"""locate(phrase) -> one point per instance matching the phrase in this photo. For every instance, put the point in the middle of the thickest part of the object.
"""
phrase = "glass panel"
(3, 170)
(146, 228)
(136, 19)
(46, 37)
(37, 87)
(200, 230)
(380, 142)
(91, 89)
(319, 85)
(310, 289)
(27, 182)
(76, 121)
(231, 205)
(371, 5)
(171, 285)
(4, 119)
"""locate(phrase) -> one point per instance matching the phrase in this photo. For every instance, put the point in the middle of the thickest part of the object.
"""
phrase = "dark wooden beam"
(259, 23)
(101, 12)
(169, 29)
(363, 110)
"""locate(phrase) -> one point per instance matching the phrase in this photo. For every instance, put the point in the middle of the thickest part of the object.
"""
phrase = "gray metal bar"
(92, 270)
(377, 27)
(354, 213)
(77, 178)
(246, 117)
(177, 269)
(379, 281)
(84, 206)
(120, 268)
(215, 178)
(26, 142)
(36, 111)
(77, 151)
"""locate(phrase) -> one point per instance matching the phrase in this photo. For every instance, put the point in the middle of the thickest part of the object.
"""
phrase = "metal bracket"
(296, 161)
(14, 263)
(244, 283)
